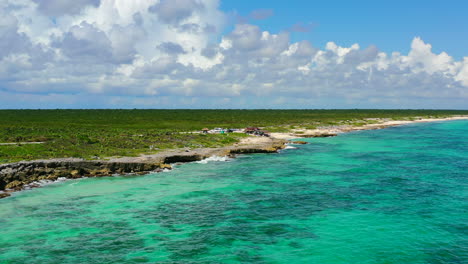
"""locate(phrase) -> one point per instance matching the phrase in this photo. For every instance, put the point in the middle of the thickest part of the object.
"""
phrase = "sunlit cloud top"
(178, 54)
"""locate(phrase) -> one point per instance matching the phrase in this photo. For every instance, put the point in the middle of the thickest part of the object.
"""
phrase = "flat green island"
(100, 134)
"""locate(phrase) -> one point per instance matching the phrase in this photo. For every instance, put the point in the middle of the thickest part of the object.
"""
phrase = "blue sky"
(233, 54)
(390, 25)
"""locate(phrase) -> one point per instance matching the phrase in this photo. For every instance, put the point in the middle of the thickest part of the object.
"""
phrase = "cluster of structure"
(256, 131)
(249, 130)
(219, 130)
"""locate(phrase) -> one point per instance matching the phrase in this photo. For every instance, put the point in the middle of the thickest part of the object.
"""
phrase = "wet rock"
(165, 166)
(52, 177)
(14, 185)
(183, 158)
(100, 172)
(299, 142)
(254, 150)
(4, 194)
(324, 134)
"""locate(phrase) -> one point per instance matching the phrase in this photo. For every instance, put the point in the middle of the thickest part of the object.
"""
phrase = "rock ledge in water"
(299, 142)
(20, 175)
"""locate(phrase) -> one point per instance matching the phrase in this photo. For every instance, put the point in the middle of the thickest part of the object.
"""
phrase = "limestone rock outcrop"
(15, 176)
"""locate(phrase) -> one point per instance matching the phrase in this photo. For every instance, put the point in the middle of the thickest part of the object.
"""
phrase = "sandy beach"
(330, 131)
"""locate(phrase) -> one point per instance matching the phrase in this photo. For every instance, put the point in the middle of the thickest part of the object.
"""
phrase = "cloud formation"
(149, 53)
(175, 11)
(60, 7)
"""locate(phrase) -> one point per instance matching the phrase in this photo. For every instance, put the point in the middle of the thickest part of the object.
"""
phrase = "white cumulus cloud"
(176, 53)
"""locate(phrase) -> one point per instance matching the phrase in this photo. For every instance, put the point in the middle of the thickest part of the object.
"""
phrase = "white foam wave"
(41, 183)
(290, 147)
(213, 158)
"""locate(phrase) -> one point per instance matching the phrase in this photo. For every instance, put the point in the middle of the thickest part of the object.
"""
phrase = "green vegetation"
(105, 133)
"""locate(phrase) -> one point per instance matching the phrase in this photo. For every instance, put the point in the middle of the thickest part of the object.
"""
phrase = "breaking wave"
(41, 183)
(290, 147)
(213, 158)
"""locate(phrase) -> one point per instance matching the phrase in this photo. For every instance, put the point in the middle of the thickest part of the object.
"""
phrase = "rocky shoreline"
(27, 174)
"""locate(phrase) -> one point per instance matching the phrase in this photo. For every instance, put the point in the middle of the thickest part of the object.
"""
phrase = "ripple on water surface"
(388, 196)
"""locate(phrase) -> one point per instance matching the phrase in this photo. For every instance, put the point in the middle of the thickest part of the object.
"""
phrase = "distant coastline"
(380, 124)
(23, 175)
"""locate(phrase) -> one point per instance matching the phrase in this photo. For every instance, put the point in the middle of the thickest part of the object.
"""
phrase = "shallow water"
(397, 195)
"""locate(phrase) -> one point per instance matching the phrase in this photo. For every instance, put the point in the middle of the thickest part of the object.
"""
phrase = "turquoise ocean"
(396, 195)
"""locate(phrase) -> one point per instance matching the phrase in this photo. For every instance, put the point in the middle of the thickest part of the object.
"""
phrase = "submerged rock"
(4, 194)
(299, 142)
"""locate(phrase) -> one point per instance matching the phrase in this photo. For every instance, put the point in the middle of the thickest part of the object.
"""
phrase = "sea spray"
(214, 158)
(41, 183)
(290, 147)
